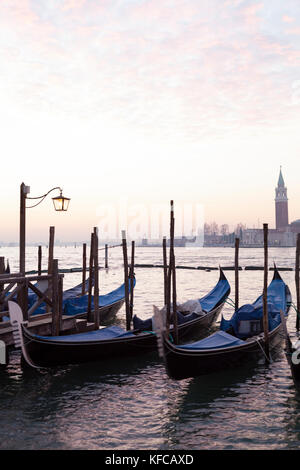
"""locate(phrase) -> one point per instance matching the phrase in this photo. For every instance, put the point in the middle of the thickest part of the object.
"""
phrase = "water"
(131, 403)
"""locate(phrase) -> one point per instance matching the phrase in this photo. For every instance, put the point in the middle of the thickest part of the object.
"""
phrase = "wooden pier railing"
(48, 289)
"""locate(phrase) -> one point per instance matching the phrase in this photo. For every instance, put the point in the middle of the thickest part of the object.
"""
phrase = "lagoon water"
(131, 403)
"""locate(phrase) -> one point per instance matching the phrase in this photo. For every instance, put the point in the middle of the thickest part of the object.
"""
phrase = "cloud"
(288, 19)
(250, 13)
(72, 4)
(295, 31)
(159, 68)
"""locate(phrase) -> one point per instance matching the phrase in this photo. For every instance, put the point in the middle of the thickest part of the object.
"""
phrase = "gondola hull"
(204, 357)
(106, 313)
(181, 364)
(72, 298)
(45, 352)
(293, 357)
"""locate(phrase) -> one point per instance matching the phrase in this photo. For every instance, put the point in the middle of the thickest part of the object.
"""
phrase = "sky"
(131, 103)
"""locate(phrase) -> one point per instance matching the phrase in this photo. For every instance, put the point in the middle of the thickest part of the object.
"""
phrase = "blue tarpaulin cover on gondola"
(248, 313)
(67, 294)
(139, 324)
(277, 300)
(102, 334)
(74, 303)
(216, 296)
(78, 305)
(209, 302)
(220, 339)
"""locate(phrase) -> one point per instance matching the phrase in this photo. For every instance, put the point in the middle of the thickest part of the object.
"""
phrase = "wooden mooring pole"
(131, 279)
(89, 308)
(51, 249)
(2, 266)
(83, 268)
(50, 256)
(22, 243)
(236, 272)
(55, 299)
(265, 293)
(96, 280)
(125, 258)
(60, 300)
(173, 273)
(23, 294)
(2, 271)
(297, 282)
(39, 260)
(165, 270)
(106, 257)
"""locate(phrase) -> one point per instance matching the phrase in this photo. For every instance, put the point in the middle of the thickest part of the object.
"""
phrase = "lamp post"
(60, 202)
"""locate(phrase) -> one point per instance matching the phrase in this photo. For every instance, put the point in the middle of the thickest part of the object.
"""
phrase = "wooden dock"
(42, 324)
(53, 322)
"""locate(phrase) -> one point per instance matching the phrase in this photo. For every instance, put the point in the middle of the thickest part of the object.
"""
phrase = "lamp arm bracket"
(42, 197)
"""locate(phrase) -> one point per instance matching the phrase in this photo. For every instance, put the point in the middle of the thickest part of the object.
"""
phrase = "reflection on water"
(134, 405)
(230, 410)
(130, 403)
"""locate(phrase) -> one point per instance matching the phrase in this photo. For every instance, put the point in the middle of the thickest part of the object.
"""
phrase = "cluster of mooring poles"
(297, 282)
(170, 295)
(16, 285)
(84, 261)
(265, 288)
(128, 279)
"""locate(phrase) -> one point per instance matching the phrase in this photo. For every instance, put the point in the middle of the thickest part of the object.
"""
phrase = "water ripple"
(131, 403)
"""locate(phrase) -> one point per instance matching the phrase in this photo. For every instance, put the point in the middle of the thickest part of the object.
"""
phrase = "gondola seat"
(247, 321)
(220, 339)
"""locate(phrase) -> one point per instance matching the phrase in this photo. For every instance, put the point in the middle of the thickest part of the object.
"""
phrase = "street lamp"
(60, 202)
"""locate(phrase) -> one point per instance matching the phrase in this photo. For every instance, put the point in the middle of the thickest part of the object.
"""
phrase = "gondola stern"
(222, 276)
(276, 275)
(18, 324)
(159, 327)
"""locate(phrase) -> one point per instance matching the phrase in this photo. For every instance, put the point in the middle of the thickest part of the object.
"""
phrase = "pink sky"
(109, 98)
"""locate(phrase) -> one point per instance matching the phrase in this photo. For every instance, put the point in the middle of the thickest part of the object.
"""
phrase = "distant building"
(295, 226)
(281, 204)
(284, 234)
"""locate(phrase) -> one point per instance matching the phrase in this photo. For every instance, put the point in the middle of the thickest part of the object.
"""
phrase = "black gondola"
(292, 352)
(107, 342)
(239, 339)
(293, 357)
(75, 304)
(109, 304)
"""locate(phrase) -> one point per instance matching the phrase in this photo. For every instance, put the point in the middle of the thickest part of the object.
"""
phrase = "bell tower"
(281, 204)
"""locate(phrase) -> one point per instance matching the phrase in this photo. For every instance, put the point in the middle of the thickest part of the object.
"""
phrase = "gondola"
(105, 343)
(293, 358)
(239, 339)
(292, 352)
(109, 304)
(75, 304)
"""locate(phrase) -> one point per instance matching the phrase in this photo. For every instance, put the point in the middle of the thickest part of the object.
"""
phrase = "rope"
(111, 246)
(171, 338)
(264, 353)
(230, 302)
(295, 308)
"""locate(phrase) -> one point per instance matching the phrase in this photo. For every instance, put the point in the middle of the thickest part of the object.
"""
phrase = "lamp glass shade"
(61, 203)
